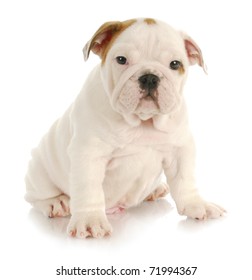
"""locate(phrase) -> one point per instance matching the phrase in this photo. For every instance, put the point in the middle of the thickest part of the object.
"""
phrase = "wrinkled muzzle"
(145, 92)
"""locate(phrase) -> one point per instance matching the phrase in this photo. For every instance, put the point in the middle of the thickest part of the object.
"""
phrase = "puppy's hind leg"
(161, 191)
(54, 207)
(48, 199)
(42, 193)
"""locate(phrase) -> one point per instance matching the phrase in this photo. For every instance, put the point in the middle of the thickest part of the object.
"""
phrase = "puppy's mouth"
(150, 96)
(148, 99)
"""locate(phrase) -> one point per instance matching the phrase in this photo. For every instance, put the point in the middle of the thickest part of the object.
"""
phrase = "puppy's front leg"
(179, 172)
(88, 164)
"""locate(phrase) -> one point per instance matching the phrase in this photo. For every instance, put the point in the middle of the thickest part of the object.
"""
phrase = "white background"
(41, 73)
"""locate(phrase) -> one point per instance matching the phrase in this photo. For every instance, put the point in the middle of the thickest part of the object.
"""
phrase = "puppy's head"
(144, 65)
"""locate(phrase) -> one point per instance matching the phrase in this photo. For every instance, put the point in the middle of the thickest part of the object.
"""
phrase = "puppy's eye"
(121, 60)
(175, 65)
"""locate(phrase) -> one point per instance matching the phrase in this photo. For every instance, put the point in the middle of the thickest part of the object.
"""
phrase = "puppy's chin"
(145, 117)
(146, 109)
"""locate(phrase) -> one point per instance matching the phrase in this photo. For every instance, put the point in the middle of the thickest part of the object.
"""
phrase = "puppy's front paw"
(201, 210)
(89, 224)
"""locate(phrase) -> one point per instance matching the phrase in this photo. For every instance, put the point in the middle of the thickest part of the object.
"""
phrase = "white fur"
(111, 146)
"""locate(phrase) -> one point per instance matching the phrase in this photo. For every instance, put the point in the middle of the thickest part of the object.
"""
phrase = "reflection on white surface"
(134, 219)
(157, 218)
(147, 217)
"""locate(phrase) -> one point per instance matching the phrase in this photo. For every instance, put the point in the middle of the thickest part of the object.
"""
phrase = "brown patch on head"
(150, 21)
(104, 37)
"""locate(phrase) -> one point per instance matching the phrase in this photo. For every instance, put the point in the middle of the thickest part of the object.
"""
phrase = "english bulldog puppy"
(126, 128)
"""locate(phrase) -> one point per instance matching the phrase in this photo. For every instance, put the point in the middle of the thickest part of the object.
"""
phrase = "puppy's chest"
(144, 137)
(144, 149)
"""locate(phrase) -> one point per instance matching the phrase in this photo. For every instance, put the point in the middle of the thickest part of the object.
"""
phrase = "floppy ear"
(103, 37)
(194, 53)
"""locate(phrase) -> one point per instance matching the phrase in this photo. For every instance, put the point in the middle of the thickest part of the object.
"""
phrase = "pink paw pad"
(115, 210)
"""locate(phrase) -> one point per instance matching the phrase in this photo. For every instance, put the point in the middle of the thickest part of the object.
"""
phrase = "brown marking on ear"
(103, 38)
(120, 28)
(150, 21)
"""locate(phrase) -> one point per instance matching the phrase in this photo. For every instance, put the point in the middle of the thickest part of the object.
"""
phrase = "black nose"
(149, 81)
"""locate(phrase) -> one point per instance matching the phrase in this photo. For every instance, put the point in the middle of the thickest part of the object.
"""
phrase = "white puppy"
(127, 126)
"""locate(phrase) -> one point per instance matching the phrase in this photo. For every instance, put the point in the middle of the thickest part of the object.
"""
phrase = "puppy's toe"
(99, 230)
(214, 211)
(83, 225)
(54, 207)
(195, 211)
(201, 210)
(161, 191)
